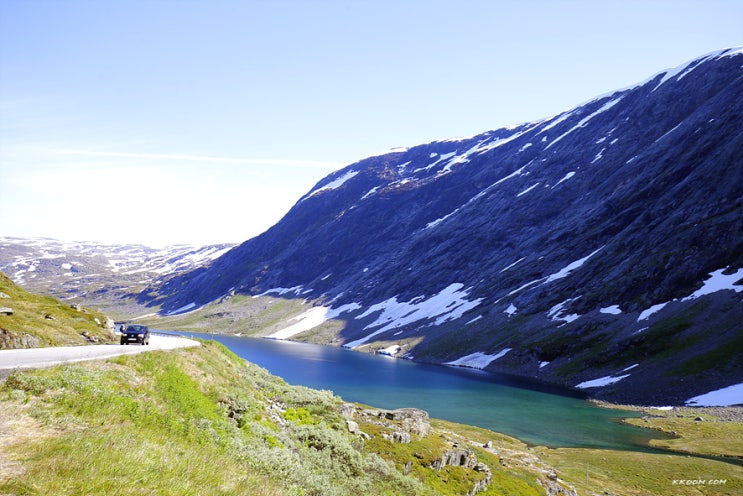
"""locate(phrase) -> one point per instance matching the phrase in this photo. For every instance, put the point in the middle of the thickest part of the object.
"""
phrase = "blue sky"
(177, 121)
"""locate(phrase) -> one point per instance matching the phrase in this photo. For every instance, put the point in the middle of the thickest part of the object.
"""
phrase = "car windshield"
(136, 328)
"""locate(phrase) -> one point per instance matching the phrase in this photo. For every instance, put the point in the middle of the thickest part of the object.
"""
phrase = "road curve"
(34, 358)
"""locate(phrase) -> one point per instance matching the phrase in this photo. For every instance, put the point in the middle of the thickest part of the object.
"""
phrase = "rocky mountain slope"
(601, 248)
(95, 273)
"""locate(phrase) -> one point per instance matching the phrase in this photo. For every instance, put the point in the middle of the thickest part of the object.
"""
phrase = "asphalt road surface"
(33, 358)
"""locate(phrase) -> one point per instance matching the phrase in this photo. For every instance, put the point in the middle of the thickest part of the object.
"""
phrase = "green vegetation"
(202, 421)
(44, 321)
(236, 314)
(726, 355)
(198, 421)
(695, 430)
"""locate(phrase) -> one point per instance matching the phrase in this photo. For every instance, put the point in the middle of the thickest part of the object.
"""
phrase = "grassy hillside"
(33, 321)
(237, 314)
(202, 421)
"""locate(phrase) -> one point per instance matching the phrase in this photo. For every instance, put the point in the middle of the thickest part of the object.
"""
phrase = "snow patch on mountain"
(449, 304)
(719, 282)
(731, 395)
(601, 381)
(478, 360)
(557, 312)
(334, 184)
(309, 319)
(564, 178)
(584, 121)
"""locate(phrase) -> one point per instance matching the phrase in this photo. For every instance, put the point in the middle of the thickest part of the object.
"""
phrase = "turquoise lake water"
(535, 413)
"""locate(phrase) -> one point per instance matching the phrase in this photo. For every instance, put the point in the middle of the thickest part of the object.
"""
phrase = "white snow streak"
(612, 310)
(478, 360)
(585, 120)
(449, 304)
(600, 382)
(718, 282)
(335, 184)
(731, 395)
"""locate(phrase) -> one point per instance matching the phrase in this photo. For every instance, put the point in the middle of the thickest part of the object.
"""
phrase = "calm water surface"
(534, 413)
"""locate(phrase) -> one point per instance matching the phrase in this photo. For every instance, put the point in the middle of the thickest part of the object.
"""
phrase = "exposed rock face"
(412, 420)
(400, 423)
(457, 458)
(583, 243)
(9, 340)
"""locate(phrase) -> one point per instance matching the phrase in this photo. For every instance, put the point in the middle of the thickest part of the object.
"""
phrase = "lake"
(535, 413)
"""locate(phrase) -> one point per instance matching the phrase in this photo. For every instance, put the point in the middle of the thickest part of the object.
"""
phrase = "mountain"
(96, 273)
(601, 248)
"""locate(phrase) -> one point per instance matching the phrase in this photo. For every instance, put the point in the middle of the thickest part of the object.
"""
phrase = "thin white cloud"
(202, 158)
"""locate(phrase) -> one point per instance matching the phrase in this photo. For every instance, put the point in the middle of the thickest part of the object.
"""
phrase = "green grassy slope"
(44, 321)
(203, 421)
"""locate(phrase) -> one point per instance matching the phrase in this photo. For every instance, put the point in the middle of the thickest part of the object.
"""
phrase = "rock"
(3, 295)
(77, 307)
(10, 340)
(456, 458)
(413, 420)
(481, 485)
(6, 311)
(699, 419)
(488, 445)
(397, 437)
(353, 428)
(90, 338)
(347, 410)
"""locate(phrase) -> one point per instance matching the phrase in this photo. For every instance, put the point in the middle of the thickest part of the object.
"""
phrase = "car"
(136, 334)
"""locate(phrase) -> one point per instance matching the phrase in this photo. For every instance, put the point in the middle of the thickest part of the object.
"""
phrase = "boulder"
(347, 410)
(413, 420)
(456, 458)
(6, 311)
(397, 437)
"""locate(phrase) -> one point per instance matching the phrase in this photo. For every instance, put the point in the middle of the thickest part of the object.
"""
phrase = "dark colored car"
(135, 334)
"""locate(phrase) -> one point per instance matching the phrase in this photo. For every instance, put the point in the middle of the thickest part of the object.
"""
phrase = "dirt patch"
(17, 427)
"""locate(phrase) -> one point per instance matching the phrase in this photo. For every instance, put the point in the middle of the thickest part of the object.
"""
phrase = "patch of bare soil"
(16, 428)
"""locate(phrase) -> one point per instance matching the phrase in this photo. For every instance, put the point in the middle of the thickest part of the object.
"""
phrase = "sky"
(203, 121)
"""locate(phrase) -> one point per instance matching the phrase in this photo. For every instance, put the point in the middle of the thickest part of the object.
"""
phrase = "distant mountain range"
(94, 272)
(601, 248)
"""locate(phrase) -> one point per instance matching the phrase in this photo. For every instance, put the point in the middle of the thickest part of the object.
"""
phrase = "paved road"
(32, 358)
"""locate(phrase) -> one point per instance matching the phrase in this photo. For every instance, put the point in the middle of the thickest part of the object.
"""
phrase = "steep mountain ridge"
(577, 243)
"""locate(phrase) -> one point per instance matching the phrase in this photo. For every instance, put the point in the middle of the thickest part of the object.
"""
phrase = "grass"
(47, 320)
(238, 314)
(641, 474)
(167, 423)
(708, 436)
(202, 421)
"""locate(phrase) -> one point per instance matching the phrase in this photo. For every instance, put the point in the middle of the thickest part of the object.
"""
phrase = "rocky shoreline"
(720, 413)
